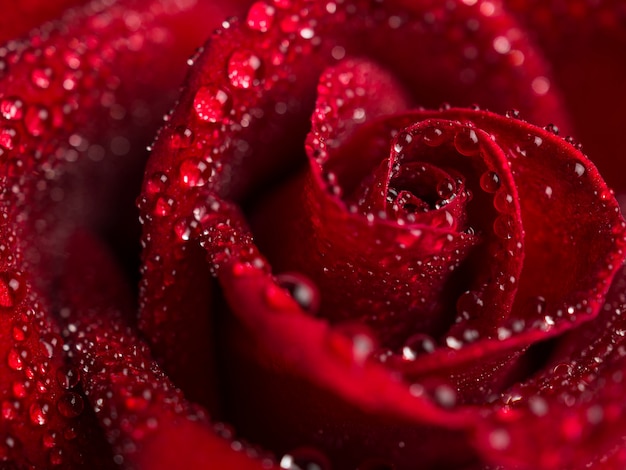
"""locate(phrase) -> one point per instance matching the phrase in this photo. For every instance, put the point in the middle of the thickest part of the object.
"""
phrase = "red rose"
(346, 277)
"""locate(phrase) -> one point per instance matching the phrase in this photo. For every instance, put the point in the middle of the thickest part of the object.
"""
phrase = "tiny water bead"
(211, 104)
(244, 69)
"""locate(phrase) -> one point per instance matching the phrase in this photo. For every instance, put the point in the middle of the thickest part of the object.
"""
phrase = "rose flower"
(338, 269)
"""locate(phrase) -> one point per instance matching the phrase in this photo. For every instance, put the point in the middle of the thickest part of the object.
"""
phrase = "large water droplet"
(211, 104)
(490, 182)
(244, 69)
(41, 77)
(260, 17)
(466, 142)
(36, 119)
(38, 413)
(67, 377)
(70, 405)
(12, 107)
(8, 137)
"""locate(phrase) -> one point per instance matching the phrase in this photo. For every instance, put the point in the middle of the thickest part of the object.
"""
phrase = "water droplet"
(360, 345)
(302, 289)
(579, 169)
(14, 359)
(36, 119)
(417, 345)
(163, 206)
(67, 377)
(433, 136)
(41, 77)
(402, 141)
(470, 305)
(194, 172)
(444, 395)
(513, 113)
(9, 287)
(552, 128)
(8, 137)
(305, 458)
(38, 413)
(503, 201)
(244, 69)
(12, 108)
(446, 188)
(503, 227)
(156, 182)
(70, 405)
(260, 17)
(182, 137)
(466, 142)
(490, 182)
(211, 104)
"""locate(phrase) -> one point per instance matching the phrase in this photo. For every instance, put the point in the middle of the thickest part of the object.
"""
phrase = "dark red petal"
(575, 402)
(146, 418)
(19, 18)
(584, 42)
(59, 89)
(222, 128)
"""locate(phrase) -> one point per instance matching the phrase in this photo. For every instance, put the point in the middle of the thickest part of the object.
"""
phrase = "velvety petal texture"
(358, 240)
(410, 268)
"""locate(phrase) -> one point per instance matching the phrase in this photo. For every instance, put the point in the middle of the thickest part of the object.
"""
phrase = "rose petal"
(147, 420)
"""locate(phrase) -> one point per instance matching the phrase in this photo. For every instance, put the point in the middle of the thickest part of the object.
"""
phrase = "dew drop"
(36, 119)
(402, 141)
(38, 413)
(70, 405)
(193, 172)
(211, 104)
(260, 17)
(503, 201)
(182, 137)
(156, 182)
(14, 360)
(302, 289)
(163, 206)
(244, 69)
(12, 108)
(503, 227)
(361, 342)
(490, 182)
(433, 136)
(67, 377)
(304, 458)
(8, 137)
(579, 169)
(417, 345)
(444, 395)
(446, 188)
(466, 142)
(41, 77)
(470, 305)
